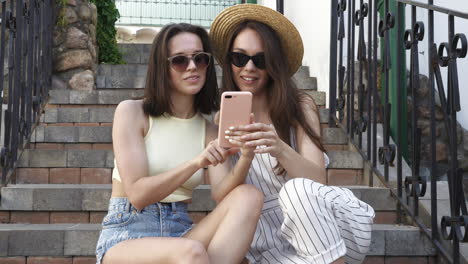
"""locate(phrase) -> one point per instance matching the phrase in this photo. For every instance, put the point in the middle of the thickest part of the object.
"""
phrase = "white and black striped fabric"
(305, 222)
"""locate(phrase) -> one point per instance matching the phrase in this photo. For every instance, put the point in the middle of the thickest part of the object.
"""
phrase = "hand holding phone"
(235, 111)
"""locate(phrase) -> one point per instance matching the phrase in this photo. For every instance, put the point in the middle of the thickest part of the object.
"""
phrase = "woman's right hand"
(213, 155)
(234, 137)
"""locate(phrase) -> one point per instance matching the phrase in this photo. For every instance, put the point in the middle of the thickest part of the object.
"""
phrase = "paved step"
(80, 240)
(72, 134)
(113, 97)
(100, 114)
(134, 76)
(103, 134)
(137, 55)
(44, 158)
(95, 197)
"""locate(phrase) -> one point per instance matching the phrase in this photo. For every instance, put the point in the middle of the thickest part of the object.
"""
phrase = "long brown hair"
(284, 99)
(156, 100)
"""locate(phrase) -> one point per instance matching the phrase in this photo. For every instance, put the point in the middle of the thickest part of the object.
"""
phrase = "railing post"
(333, 62)
(280, 6)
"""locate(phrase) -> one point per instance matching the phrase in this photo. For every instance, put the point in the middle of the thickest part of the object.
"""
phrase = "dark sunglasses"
(181, 62)
(241, 59)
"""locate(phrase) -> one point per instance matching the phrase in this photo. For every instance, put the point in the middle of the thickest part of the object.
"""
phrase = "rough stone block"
(80, 243)
(36, 243)
(95, 134)
(60, 134)
(70, 115)
(66, 199)
(59, 97)
(87, 158)
(202, 201)
(96, 199)
(51, 115)
(101, 115)
(47, 158)
(378, 198)
(345, 160)
(114, 97)
(324, 113)
(420, 245)
(377, 247)
(110, 159)
(334, 136)
(83, 97)
(40, 134)
(3, 244)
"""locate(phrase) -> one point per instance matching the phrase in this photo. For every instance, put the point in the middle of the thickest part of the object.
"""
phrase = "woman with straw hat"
(303, 220)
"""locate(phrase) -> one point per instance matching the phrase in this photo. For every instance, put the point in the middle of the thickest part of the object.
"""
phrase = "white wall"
(312, 18)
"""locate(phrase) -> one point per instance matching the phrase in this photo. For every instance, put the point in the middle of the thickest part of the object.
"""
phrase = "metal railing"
(361, 124)
(24, 84)
(158, 13)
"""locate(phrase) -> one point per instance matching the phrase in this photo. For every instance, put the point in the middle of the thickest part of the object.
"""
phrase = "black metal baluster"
(333, 59)
(341, 69)
(370, 85)
(360, 123)
(387, 152)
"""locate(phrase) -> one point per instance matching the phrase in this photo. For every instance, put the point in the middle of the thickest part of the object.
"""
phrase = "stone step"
(103, 134)
(72, 158)
(134, 76)
(113, 97)
(99, 114)
(139, 54)
(95, 197)
(80, 240)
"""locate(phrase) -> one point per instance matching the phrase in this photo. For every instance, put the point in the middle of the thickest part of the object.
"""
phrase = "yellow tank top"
(171, 141)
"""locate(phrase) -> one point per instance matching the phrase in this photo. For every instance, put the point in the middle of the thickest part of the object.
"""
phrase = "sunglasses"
(241, 59)
(181, 62)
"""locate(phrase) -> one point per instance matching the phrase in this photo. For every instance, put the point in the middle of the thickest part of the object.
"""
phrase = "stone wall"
(75, 48)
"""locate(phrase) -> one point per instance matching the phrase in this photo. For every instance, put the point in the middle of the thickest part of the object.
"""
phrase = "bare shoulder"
(308, 104)
(311, 112)
(130, 111)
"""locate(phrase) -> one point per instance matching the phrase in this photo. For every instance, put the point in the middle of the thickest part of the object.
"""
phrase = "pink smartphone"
(235, 110)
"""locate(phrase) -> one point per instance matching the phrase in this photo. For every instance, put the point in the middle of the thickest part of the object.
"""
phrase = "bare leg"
(153, 250)
(228, 231)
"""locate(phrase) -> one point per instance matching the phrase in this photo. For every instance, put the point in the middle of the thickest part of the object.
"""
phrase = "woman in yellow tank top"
(161, 144)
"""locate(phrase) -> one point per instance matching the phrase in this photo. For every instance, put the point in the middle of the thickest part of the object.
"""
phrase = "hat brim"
(227, 21)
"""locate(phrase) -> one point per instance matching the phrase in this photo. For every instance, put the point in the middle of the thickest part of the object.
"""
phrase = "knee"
(192, 251)
(251, 195)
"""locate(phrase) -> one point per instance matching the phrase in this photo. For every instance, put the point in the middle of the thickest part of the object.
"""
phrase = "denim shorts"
(124, 222)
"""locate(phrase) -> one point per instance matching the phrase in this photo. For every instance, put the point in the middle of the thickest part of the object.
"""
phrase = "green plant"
(108, 14)
(61, 19)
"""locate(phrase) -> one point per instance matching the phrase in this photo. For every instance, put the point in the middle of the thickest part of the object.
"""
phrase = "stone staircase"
(52, 212)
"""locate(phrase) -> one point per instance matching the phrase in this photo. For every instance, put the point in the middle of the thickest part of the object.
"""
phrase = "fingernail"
(230, 140)
(227, 131)
(231, 128)
(226, 137)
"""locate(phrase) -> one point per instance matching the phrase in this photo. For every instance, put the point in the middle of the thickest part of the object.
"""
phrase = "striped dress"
(306, 222)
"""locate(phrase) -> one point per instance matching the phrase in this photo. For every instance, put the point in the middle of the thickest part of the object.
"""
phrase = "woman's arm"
(308, 162)
(224, 177)
(130, 153)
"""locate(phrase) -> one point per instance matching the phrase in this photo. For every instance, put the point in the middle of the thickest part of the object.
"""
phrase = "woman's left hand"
(262, 137)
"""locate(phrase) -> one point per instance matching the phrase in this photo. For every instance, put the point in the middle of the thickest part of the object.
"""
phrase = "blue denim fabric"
(124, 222)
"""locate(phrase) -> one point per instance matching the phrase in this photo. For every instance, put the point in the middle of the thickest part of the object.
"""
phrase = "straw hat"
(230, 17)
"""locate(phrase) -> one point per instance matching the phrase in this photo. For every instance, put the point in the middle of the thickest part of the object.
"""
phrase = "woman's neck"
(182, 105)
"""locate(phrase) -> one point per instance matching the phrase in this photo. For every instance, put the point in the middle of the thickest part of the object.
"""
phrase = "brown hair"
(284, 99)
(156, 100)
